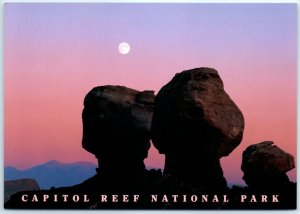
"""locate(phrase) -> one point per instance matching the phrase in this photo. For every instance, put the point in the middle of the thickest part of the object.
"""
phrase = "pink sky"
(54, 54)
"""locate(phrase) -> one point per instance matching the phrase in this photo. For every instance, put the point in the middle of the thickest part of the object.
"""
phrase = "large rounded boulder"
(265, 165)
(116, 125)
(194, 109)
(194, 124)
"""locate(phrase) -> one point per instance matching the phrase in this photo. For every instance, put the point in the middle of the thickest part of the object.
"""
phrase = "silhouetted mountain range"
(54, 173)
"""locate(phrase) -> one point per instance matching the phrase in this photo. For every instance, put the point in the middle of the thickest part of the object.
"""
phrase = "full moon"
(124, 48)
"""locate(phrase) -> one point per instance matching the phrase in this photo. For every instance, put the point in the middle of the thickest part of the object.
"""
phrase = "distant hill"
(54, 173)
(14, 186)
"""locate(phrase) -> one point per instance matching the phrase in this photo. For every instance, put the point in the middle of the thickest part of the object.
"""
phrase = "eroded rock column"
(195, 123)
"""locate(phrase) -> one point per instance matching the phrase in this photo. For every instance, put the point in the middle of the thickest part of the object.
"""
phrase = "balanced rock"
(193, 106)
(265, 165)
(116, 126)
(195, 123)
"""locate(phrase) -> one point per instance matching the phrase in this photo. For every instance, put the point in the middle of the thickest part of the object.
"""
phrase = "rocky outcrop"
(116, 128)
(195, 123)
(14, 186)
(265, 166)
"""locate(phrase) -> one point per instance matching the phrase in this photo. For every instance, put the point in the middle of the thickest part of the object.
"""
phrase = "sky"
(54, 54)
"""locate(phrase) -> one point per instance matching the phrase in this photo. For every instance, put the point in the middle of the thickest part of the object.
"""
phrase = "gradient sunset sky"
(54, 54)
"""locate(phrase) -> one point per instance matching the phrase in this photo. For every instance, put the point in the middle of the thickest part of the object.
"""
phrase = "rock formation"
(116, 128)
(265, 166)
(195, 123)
(14, 186)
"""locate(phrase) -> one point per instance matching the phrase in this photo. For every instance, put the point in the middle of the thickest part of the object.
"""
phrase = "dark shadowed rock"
(195, 123)
(265, 165)
(116, 127)
(14, 186)
(195, 104)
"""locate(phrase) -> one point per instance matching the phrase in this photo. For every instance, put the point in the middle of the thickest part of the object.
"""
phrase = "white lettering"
(24, 198)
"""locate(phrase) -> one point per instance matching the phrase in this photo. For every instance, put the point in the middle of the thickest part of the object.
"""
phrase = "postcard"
(150, 106)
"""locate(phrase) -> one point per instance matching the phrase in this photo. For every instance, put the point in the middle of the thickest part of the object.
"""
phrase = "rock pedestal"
(116, 128)
(195, 123)
(265, 166)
